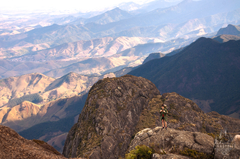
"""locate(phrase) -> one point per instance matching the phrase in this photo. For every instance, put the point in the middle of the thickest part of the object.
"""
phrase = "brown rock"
(110, 114)
(14, 146)
(117, 108)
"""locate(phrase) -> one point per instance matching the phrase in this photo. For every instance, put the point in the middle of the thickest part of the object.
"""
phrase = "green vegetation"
(195, 154)
(140, 152)
(34, 98)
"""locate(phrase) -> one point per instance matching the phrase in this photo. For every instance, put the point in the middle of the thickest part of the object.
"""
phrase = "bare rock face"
(169, 156)
(236, 141)
(228, 150)
(108, 120)
(171, 140)
(12, 145)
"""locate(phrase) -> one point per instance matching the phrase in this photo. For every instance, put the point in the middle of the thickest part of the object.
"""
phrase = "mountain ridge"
(188, 62)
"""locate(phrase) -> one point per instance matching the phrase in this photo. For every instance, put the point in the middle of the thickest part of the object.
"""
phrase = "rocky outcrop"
(172, 140)
(107, 122)
(184, 114)
(14, 146)
(169, 156)
(118, 108)
(236, 141)
(229, 149)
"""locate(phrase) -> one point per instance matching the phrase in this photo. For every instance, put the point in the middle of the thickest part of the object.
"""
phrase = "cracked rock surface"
(108, 120)
(171, 139)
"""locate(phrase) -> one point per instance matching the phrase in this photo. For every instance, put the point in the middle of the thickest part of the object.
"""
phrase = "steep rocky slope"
(118, 108)
(109, 116)
(14, 146)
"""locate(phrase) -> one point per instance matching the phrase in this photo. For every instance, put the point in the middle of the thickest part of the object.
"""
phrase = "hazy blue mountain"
(187, 19)
(153, 56)
(129, 6)
(145, 49)
(230, 30)
(113, 15)
(226, 37)
(88, 66)
(159, 4)
(206, 70)
(63, 20)
(146, 7)
(54, 34)
(184, 11)
(194, 17)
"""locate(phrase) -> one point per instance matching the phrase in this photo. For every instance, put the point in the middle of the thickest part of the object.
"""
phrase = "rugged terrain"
(118, 108)
(14, 146)
(14, 90)
(65, 41)
(206, 71)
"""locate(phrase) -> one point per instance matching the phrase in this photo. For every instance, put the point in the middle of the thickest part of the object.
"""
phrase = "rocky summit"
(117, 109)
(107, 122)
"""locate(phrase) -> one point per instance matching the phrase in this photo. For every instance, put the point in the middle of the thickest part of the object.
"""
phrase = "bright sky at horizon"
(53, 5)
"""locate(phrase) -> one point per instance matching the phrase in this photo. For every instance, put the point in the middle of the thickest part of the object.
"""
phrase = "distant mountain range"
(71, 84)
(88, 57)
(206, 71)
(100, 47)
(187, 19)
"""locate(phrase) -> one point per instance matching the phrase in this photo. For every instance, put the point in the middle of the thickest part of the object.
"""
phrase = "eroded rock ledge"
(172, 140)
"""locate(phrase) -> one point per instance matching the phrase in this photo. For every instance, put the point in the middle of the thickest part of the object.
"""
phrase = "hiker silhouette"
(163, 113)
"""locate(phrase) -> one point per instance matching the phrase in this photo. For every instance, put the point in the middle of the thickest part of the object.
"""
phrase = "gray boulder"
(169, 156)
(172, 140)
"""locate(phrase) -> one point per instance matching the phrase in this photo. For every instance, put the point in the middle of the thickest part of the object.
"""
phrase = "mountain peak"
(199, 71)
(230, 30)
(111, 101)
(116, 109)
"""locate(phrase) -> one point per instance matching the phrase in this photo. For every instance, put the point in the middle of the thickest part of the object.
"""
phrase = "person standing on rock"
(163, 113)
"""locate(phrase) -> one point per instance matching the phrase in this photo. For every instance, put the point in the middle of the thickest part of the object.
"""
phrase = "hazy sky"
(80, 5)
